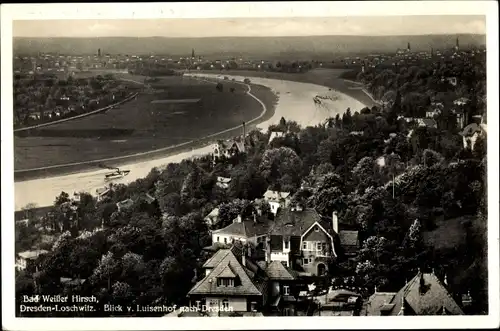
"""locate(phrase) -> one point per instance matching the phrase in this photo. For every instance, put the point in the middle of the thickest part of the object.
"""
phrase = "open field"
(295, 104)
(325, 77)
(139, 126)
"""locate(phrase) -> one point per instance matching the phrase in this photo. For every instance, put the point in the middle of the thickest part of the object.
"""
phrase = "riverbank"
(295, 103)
(126, 161)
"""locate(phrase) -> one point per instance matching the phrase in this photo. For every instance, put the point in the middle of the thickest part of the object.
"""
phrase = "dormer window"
(225, 282)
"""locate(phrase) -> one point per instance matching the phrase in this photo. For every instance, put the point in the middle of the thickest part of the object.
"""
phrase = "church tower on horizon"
(456, 45)
(408, 49)
(192, 53)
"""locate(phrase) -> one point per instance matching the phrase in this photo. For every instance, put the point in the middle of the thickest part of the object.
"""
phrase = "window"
(225, 282)
(253, 306)
(316, 228)
(218, 239)
(225, 240)
(305, 261)
(287, 245)
(318, 246)
(324, 248)
(304, 245)
(286, 290)
(225, 304)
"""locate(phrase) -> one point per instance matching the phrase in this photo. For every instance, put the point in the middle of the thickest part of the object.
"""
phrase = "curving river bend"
(295, 103)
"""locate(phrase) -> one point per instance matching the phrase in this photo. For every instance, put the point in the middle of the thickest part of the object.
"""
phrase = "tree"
(107, 270)
(431, 158)
(328, 194)
(278, 162)
(230, 210)
(363, 172)
(394, 165)
(414, 240)
(61, 199)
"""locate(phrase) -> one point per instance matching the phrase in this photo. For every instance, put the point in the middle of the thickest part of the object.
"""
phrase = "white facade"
(274, 206)
(281, 257)
(275, 134)
(230, 303)
(226, 238)
(21, 264)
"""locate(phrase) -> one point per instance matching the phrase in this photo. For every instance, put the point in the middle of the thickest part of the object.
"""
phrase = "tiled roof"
(295, 223)
(348, 238)
(227, 272)
(148, 198)
(125, 203)
(470, 129)
(102, 190)
(32, 254)
(223, 180)
(213, 213)
(276, 195)
(377, 301)
(247, 286)
(277, 271)
(428, 122)
(220, 255)
(429, 301)
(247, 228)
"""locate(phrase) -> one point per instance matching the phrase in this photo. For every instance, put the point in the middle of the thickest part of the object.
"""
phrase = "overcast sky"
(375, 26)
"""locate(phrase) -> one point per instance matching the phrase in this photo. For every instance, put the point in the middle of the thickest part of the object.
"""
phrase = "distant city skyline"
(253, 27)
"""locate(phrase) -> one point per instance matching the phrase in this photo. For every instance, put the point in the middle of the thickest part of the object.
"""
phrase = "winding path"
(295, 103)
(163, 149)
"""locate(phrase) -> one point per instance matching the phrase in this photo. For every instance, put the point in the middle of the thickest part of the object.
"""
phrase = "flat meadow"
(166, 112)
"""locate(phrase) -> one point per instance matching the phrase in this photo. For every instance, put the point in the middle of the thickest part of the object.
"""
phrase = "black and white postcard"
(275, 165)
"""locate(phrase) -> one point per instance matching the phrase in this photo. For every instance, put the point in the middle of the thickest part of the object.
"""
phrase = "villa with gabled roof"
(232, 282)
(425, 294)
(302, 240)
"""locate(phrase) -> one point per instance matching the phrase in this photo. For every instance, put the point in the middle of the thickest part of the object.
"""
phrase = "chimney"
(268, 251)
(243, 259)
(299, 206)
(335, 222)
(422, 283)
(238, 219)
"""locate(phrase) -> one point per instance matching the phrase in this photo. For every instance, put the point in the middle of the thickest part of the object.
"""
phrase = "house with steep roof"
(252, 229)
(427, 122)
(277, 199)
(425, 294)
(276, 133)
(125, 204)
(228, 148)
(212, 218)
(471, 133)
(302, 240)
(232, 283)
(26, 260)
(283, 287)
(223, 182)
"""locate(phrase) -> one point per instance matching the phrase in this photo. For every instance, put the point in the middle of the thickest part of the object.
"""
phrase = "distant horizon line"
(284, 36)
